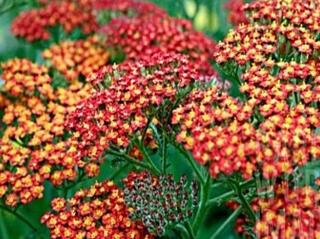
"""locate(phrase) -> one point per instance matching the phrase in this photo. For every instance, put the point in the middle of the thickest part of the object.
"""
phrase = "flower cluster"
(34, 24)
(215, 128)
(159, 201)
(248, 44)
(17, 185)
(141, 38)
(40, 111)
(34, 143)
(75, 58)
(97, 212)
(286, 214)
(296, 12)
(273, 130)
(279, 28)
(237, 14)
(137, 92)
(22, 77)
(220, 130)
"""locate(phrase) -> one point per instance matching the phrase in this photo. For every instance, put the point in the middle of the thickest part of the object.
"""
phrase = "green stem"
(183, 231)
(164, 153)
(246, 204)
(220, 198)
(227, 195)
(204, 193)
(147, 157)
(20, 217)
(226, 223)
(190, 231)
(128, 158)
(248, 183)
(238, 189)
(3, 227)
(192, 163)
(215, 185)
(266, 194)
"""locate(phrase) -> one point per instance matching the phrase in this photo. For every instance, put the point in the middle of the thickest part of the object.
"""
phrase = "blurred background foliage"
(208, 16)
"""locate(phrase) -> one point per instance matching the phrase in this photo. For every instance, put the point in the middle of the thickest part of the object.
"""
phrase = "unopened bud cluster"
(160, 202)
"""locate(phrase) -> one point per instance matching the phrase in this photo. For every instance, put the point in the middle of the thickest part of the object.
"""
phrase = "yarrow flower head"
(18, 185)
(215, 128)
(40, 110)
(97, 212)
(22, 77)
(278, 75)
(34, 25)
(141, 38)
(131, 94)
(219, 130)
(296, 12)
(160, 202)
(77, 58)
(34, 144)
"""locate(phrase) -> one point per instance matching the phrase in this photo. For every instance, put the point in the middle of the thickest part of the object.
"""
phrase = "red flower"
(134, 90)
(236, 13)
(33, 24)
(142, 37)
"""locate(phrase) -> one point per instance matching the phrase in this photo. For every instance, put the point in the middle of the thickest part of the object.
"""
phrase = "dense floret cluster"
(96, 212)
(77, 58)
(136, 92)
(143, 37)
(35, 24)
(34, 144)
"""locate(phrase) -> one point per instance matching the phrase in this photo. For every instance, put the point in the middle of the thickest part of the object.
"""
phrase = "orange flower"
(99, 212)
(75, 58)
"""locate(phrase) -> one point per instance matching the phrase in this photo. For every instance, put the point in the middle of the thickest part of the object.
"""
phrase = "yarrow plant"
(134, 125)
